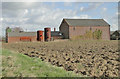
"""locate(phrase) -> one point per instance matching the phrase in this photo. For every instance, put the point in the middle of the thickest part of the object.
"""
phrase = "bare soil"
(91, 58)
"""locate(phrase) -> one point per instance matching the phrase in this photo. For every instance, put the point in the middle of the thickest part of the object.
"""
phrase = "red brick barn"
(21, 36)
(75, 27)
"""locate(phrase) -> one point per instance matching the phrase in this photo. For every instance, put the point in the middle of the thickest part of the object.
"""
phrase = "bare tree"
(17, 29)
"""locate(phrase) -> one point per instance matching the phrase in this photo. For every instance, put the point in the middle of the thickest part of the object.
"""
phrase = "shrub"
(97, 34)
(88, 34)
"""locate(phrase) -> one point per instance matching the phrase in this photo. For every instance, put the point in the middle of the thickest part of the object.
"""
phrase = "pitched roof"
(14, 34)
(86, 22)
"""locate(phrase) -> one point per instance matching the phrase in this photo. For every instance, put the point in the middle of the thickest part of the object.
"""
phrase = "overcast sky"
(33, 16)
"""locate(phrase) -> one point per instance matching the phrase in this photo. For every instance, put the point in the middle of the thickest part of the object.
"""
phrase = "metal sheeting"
(55, 33)
(86, 22)
(15, 34)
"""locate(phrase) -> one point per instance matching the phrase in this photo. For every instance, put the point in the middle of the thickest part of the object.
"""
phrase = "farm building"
(56, 35)
(115, 35)
(21, 36)
(17, 35)
(76, 27)
(69, 28)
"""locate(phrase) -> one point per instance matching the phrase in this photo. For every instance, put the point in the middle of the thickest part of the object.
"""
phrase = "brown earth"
(91, 58)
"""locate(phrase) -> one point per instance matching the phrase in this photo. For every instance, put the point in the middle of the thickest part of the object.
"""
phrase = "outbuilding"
(76, 27)
(56, 35)
(115, 35)
(21, 36)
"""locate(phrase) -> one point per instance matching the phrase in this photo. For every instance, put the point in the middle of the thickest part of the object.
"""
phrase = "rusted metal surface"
(25, 39)
(19, 39)
(47, 34)
(40, 35)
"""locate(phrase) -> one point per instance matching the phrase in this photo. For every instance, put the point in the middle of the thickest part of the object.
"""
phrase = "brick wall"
(64, 29)
(81, 30)
(17, 39)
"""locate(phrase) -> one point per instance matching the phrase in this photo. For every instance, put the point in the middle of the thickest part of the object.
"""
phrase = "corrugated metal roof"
(86, 22)
(14, 34)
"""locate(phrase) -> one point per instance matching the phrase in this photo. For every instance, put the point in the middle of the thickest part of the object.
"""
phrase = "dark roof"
(14, 34)
(117, 32)
(86, 22)
(55, 33)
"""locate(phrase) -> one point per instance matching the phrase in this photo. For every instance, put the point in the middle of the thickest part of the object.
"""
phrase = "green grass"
(15, 64)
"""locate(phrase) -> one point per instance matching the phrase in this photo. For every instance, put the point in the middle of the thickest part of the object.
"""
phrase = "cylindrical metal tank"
(40, 35)
(7, 31)
(47, 34)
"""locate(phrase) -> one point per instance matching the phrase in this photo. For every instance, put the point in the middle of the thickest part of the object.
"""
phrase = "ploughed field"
(91, 58)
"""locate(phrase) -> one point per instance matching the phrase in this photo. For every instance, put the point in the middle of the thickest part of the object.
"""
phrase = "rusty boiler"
(40, 35)
(47, 34)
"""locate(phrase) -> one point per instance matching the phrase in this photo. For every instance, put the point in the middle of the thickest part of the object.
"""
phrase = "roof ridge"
(80, 19)
(66, 21)
(86, 22)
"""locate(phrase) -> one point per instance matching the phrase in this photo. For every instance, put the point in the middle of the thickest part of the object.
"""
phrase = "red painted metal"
(25, 39)
(40, 36)
(47, 34)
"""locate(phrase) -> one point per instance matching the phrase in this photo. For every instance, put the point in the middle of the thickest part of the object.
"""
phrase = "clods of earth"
(91, 58)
